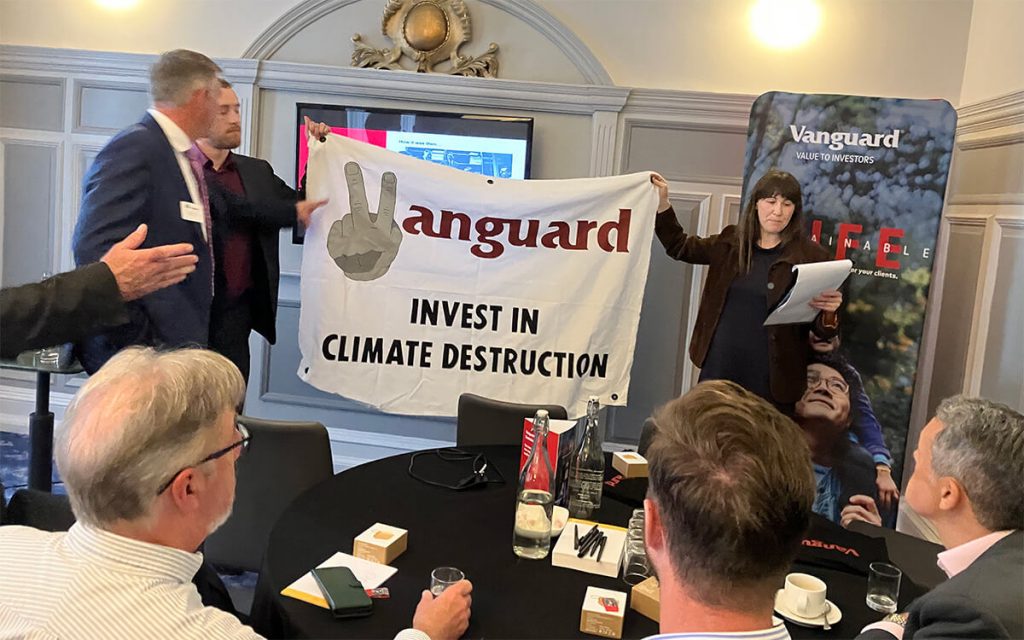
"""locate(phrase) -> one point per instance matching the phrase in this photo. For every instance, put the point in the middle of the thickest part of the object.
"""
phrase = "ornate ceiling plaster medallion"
(429, 32)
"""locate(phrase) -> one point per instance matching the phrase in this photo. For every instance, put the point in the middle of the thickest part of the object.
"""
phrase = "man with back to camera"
(967, 475)
(147, 454)
(246, 254)
(143, 176)
(728, 502)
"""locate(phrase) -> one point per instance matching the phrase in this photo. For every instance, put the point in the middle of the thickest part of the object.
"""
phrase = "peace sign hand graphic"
(364, 244)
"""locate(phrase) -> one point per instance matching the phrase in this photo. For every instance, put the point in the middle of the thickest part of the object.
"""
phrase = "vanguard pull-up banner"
(873, 174)
(421, 282)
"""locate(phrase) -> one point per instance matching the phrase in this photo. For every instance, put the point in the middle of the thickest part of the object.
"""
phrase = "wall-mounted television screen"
(496, 146)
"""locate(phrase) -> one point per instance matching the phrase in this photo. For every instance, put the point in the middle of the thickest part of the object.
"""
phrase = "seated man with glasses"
(147, 453)
(844, 470)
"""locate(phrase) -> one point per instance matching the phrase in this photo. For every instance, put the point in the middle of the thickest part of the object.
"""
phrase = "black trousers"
(230, 326)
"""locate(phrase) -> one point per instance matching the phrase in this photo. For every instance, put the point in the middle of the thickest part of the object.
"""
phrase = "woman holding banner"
(750, 268)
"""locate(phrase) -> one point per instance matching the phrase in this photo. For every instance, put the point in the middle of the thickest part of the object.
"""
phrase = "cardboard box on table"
(567, 556)
(380, 543)
(646, 599)
(630, 464)
(602, 612)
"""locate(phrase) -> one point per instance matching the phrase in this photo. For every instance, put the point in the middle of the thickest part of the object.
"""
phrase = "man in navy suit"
(246, 253)
(968, 467)
(143, 175)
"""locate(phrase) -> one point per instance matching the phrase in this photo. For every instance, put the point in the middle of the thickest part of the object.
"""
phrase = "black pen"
(588, 535)
(575, 536)
(591, 545)
(588, 543)
(600, 550)
(584, 548)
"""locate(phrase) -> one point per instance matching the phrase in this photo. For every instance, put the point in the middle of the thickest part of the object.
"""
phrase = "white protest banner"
(421, 282)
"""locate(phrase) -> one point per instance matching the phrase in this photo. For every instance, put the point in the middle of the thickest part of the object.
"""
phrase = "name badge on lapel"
(192, 212)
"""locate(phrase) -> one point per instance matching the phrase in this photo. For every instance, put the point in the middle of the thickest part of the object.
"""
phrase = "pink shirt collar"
(955, 560)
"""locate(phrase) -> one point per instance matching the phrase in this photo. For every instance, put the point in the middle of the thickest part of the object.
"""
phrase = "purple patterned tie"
(197, 170)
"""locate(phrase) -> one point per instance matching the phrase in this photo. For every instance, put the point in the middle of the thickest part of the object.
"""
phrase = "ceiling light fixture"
(785, 24)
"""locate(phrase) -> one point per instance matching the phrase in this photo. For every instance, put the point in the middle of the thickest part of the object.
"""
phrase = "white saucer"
(834, 614)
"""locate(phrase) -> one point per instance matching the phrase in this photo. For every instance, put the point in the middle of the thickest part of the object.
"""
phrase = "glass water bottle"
(531, 535)
(586, 469)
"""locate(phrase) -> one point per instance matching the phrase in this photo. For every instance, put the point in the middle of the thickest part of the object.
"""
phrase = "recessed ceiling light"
(116, 5)
(785, 24)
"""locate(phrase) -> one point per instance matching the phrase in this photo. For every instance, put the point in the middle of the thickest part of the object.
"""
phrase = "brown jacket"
(788, 351)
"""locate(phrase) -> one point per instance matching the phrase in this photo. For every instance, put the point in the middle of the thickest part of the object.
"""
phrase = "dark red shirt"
(236, 249)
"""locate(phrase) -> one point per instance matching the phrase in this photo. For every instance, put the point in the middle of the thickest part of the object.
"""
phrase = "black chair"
(916, 557)
(483, 421)
(283, 460)
(40, 509)
(646, 435)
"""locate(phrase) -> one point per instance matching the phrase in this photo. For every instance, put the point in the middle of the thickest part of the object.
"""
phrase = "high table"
(471, 530)
(40, 421)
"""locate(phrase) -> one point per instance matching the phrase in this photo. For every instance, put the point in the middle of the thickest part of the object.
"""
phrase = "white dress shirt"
(181, 143)
(90, 583)
(778, 632)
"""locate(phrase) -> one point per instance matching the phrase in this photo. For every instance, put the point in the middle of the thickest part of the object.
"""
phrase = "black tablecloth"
(472, 530)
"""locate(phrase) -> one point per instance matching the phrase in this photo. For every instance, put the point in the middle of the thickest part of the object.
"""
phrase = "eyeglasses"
(243, 442)
(833, 384)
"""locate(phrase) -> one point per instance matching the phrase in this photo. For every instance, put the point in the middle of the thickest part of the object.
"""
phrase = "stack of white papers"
(811, 279)
(370, 574)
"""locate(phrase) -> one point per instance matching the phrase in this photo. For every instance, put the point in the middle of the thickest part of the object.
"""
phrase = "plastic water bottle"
(531, 535)
(586, 469)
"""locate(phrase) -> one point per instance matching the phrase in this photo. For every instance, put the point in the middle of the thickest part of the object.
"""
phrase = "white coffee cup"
(804, 595)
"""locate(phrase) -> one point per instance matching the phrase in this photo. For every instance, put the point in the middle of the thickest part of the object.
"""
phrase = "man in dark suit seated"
(967, 481)
(844, 470)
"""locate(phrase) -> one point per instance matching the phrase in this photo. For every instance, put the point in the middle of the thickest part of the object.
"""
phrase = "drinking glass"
(883, 587)
(443, 577)
(636, 567)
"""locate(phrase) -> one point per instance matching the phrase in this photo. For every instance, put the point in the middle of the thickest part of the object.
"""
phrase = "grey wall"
(28, 216)
(974, 341)
(52, 124)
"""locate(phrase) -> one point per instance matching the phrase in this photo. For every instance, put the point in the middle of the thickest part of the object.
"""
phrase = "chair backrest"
(40, 509)
(646, 435)
(916, 557)
(484, 421)
(283, 460)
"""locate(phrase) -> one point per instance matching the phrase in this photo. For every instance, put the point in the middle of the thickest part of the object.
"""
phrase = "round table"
(471, 530)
